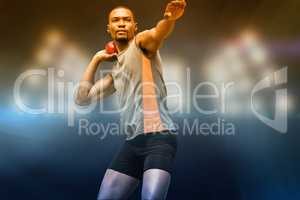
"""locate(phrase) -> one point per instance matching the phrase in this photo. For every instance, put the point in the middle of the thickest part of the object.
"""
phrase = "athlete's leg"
(160, 154)
(116, 186)
(155, 184)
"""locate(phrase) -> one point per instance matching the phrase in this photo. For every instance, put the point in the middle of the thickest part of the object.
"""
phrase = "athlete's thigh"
(116, 185)
(155, 184)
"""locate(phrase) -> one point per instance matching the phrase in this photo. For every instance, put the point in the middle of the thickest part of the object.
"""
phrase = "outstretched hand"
(175, 9)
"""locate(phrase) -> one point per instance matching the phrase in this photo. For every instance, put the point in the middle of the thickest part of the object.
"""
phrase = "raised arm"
(88, 89)
(151, 40)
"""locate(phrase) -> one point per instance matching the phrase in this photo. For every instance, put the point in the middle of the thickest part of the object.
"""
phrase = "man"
(151, 142)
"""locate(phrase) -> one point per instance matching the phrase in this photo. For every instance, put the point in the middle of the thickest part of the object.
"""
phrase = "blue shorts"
(147, 151)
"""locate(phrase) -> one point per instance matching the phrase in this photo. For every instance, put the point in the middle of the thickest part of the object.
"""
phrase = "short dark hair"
(123, 6)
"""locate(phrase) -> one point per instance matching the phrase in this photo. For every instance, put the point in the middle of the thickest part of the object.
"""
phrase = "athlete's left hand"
(175, 9)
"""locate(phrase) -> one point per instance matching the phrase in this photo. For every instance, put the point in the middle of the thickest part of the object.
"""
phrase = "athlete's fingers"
(177, 8)
(111, 55)
(183, 3)
(176, 5)
(174, 8)
(179, 2)
(170, 8)
(167, 14)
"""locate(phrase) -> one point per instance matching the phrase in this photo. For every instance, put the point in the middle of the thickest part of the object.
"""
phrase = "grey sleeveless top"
(141, 91)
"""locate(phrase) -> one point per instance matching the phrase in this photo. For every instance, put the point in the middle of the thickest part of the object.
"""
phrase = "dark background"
(42, 158)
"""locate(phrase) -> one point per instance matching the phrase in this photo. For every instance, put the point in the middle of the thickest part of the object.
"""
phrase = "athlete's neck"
(121, 45)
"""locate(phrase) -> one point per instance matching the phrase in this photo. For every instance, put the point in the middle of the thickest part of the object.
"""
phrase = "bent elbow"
(82, 101)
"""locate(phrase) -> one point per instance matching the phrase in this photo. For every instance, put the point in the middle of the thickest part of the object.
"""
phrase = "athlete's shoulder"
(140, 37)
(144, 41)
(145, 36)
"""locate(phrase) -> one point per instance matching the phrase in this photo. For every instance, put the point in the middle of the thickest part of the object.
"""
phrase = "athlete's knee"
(152, 197)
(148, 194)
(155, 184)
(108, 194)
(108, 190)
(104, 195)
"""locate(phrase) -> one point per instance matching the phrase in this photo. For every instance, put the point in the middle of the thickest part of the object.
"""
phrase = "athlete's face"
(121, 26)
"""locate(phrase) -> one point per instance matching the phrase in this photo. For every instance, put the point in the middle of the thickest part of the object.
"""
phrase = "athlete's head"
(121, 24)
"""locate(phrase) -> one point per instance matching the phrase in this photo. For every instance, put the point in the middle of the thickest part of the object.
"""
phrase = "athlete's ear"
(108, 27)
(136, 27)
